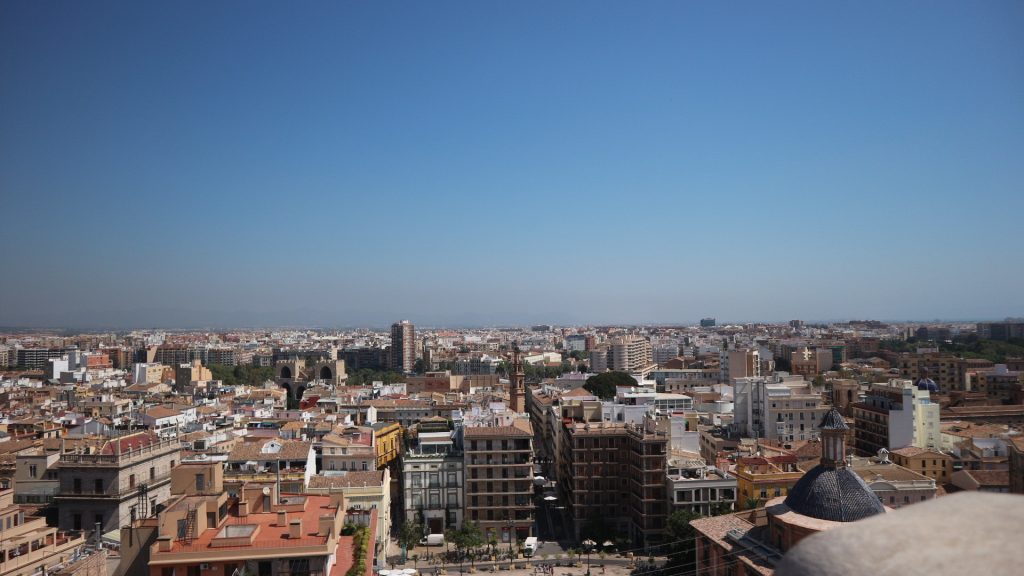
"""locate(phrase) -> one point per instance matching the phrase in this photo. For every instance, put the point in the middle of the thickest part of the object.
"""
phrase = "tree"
(408, 535)
(603, 385)
(454, 537)
(572, 552)
(682, 553)
(472, 538)
(720, 508)
(420, 366)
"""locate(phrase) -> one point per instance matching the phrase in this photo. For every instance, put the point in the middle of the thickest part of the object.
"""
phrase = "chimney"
(164, 543)
(282, 518)
(326, 526)
(243, 508)
(295, 529)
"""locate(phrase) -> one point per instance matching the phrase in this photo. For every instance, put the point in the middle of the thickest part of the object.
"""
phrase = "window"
(200, 482)
(152, 473)
(98, 486)
(131, 480)
(76, 521)
(78, 489)
(32, 470)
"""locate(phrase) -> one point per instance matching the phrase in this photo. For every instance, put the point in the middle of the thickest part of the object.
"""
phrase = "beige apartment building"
(499, 479)
(613, 473)
(630, 354)
(109, 481)
(948, 372)
(28, 547)
(186, 374)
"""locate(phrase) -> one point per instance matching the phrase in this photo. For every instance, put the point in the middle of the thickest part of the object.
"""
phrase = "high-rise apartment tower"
(403, 346)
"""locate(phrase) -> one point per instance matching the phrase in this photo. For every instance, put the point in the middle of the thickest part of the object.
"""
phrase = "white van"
(433, 540)
(530, 546)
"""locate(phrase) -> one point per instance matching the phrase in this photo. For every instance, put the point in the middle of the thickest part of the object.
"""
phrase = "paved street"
(549, 554)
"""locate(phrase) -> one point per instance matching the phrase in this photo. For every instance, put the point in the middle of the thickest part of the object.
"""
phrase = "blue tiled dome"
(833, 420)
(836, 494)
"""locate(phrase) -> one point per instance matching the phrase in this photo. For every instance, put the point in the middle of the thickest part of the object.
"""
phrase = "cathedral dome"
(836, 494)
(831, 491)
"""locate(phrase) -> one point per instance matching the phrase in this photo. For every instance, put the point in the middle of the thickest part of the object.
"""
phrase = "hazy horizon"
(228, 164)
(385, 326)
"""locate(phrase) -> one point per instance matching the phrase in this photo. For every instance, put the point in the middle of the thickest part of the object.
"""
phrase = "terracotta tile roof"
(128, 442)
(990, 477)
(355, 478)
(716, 527)
(253, 451)
(911, 451)
(336, 440)
(161, 412)
(14, 446)
(270, 535)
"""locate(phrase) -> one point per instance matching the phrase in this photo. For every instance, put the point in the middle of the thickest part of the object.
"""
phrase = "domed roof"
(836, 494)
(833, 420)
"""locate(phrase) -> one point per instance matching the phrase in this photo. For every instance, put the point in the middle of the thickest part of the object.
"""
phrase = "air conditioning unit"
(204, 566)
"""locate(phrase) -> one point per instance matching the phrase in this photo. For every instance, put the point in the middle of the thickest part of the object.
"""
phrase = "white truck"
(433, 540)
(530, 546)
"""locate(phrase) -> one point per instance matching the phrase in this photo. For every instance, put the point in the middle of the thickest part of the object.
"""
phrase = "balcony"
(113, 491)
(29, 553)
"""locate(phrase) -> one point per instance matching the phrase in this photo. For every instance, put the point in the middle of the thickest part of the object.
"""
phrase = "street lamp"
(511, 528)
(589, 545)
(548, 501)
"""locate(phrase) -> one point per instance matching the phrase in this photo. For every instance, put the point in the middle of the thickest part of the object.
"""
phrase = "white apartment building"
(783, 409)
(433, 482)
(664, 351)
(693, 485)
(630, 354)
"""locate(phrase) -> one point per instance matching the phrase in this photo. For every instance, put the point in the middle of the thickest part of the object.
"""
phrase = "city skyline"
(384, 326)
(244, 164)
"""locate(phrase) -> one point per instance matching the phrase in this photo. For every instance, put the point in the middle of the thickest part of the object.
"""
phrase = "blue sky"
(252, 163)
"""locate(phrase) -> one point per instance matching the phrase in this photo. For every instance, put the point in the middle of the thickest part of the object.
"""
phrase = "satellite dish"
(266, 490)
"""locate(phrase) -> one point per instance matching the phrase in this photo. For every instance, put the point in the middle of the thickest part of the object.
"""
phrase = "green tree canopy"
(409, 534)
(682, 552)
(603, 385)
